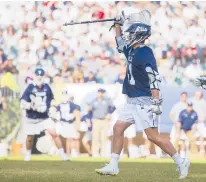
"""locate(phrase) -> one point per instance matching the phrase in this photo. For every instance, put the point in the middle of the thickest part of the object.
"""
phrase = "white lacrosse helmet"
(66, 96)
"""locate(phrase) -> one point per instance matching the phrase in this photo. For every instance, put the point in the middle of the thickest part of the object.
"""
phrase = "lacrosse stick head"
(137, 27)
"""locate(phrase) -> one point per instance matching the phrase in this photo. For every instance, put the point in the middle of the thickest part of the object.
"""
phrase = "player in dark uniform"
(68, 123)
(141, 87)
(36, 100)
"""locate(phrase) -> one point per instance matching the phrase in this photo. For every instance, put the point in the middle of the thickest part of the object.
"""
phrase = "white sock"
(61, 152)
(28, 152)
(177, 159)
(114, 160)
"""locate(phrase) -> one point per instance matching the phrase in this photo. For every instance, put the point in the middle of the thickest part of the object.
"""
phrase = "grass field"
(51, 169)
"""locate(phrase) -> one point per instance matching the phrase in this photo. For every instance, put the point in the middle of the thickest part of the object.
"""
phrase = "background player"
(36, 100)
(141, 85)
(68, 115)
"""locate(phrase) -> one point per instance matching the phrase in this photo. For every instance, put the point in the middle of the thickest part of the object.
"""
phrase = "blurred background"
(83, 58)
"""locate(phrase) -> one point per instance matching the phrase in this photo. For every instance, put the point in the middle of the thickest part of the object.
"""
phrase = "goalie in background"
(36, 100)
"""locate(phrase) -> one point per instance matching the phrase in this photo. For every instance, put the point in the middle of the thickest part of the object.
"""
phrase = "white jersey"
(176, 109)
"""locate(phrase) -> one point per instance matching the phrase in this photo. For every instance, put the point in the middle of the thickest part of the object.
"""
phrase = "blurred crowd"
(31, 33)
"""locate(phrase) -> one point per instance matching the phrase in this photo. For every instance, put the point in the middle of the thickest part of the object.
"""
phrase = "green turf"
(47, 169)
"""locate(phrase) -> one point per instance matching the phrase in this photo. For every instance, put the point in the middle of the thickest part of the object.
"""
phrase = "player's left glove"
(119, 19)
(156, 106)
(200, 82)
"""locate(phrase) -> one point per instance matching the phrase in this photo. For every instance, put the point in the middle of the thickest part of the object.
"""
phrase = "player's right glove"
(200, 82)
(156, 106)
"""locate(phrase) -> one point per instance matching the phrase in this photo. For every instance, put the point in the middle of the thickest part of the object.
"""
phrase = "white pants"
(139, 116)
(36, 126)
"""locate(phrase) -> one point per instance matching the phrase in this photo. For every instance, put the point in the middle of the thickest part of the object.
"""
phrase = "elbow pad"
(120, 44)
(25, 105)
(154, 78)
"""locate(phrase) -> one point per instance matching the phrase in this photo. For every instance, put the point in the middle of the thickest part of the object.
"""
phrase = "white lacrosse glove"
(37, 104)
(25, 105)
(54, 114)
(156, 108)
(41, 108)
(200, 82)
(119, 19)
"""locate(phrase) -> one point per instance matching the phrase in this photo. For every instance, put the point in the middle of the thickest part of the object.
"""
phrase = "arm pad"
(120, 44)
(25, 105)
(154, 78)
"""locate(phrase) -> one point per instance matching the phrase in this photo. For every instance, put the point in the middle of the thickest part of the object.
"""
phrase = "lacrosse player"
(141, 85)
(68, 116)
(36, 100)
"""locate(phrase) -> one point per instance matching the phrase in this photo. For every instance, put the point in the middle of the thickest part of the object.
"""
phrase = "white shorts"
(139, 116)
(66, 130)
(83, 127)
(36, 126)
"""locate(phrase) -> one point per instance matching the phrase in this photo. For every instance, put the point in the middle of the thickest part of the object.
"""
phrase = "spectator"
(35, 38)
(186, 128)
(190, 73)
(174, 115)
(199, 106)
(91, 78)
(102, 108)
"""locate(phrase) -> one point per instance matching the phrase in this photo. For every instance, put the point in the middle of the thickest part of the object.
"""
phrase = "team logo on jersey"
(141, 29)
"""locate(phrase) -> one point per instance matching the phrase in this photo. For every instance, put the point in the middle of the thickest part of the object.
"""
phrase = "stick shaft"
(85, 22)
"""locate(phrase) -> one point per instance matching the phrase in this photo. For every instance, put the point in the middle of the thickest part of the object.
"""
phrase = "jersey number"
(130, 76)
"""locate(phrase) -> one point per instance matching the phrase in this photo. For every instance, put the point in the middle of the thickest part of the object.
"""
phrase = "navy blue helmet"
(136, 28)
(39, 72)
